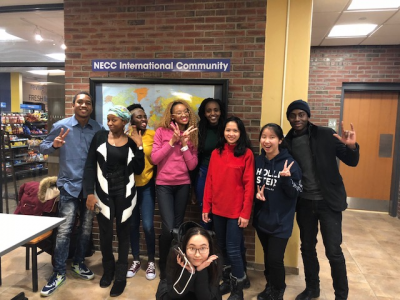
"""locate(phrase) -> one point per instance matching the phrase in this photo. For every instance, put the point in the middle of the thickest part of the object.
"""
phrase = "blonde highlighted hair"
(166, 119)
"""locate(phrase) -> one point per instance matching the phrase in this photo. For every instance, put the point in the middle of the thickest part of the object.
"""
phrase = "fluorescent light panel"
(373, 4)
(354, 30)
(48, 72)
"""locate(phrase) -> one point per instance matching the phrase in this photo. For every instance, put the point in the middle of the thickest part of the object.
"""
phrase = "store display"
(25, 132)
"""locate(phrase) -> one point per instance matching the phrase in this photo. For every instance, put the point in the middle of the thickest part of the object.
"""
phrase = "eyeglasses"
(193, 251)
(180, 113)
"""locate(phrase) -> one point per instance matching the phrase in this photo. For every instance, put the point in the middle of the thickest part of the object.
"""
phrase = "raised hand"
(207, 262)
(286, 170)
(135, 135)
(260, 193)
(177, 133)
(59, 140)
(186, 135)
(348, 136)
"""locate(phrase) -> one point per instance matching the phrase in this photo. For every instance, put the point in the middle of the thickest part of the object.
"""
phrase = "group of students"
(114, 170)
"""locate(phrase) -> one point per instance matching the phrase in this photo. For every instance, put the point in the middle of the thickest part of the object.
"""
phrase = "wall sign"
(161, 65)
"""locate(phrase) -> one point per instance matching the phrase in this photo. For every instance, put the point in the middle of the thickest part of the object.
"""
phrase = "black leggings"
(106, 231)
(274, 252)
(172, 201)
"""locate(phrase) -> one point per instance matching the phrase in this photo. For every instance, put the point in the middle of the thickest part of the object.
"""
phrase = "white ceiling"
(326, 14)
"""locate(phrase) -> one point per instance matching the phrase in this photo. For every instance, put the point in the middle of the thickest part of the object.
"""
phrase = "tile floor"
(371, 245)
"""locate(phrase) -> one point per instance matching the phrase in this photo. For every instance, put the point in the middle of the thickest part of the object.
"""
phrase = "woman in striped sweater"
(113, 160)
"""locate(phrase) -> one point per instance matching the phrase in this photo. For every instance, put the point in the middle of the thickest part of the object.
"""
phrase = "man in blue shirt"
(72, 136)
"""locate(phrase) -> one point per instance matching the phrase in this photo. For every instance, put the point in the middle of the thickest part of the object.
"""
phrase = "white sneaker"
(133, 269)
(151, 270)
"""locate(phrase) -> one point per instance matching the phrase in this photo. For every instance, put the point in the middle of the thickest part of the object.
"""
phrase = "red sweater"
(229, 189)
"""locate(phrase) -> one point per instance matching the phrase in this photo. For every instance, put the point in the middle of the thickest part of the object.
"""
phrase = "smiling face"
(298, 119)
(212, 112)
(197, 250)
(231, 133)
(139, 119)
(115, 124)
(270, 142)
(180, 115)
(82, 107)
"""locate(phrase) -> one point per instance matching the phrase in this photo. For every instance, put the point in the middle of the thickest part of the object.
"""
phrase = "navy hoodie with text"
(275, 215)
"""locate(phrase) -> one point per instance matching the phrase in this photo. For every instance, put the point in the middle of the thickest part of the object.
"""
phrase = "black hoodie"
(275, 215)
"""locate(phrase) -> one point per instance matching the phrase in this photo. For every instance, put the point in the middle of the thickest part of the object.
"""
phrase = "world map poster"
(154, 98)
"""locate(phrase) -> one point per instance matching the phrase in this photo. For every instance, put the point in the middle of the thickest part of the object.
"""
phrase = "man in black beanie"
(323, 199)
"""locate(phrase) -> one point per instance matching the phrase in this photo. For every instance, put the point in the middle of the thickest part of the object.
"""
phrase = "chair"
(33, 244)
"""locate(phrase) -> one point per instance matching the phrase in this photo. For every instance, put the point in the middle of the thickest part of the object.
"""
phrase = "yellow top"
(147, 174)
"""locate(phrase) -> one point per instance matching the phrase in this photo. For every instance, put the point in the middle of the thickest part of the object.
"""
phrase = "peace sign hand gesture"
(260, 193)
(348, 136)
(59, 140)
(185, 136)
(135, 135)
(286, 170)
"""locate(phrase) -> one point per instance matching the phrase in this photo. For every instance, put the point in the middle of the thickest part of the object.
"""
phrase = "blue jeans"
(145, 207)
(68, 206)
(309, 213)
(230, 240)
(199, 190)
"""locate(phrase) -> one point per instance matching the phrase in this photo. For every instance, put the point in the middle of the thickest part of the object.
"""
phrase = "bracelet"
(183, 149)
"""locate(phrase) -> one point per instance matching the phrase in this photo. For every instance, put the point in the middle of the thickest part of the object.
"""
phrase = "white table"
(17, 230)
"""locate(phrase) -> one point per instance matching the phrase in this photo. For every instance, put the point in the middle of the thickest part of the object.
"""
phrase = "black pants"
(172, 201)
(309, 213)
(106, 231)
(274, 252)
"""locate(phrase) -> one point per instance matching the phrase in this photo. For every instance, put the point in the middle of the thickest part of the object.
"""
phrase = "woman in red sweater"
(229, 194)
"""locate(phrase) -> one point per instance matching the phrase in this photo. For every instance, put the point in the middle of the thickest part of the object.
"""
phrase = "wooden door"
(374, 117)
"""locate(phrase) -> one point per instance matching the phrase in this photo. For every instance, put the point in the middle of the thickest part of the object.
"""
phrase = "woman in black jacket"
(278, 184)
(195, 273)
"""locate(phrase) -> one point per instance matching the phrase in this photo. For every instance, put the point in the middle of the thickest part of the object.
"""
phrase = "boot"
(237, 288)
(120, 279)
(108, 273)
(265, 293)
(225, 286)
(276, 294)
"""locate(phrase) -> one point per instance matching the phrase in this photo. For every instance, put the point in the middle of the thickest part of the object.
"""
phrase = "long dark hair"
(243, 142)
(203, 123)
(278, 131)
(214, 269)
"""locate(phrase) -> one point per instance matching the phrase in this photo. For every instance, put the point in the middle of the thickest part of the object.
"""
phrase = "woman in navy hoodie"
(278, 180)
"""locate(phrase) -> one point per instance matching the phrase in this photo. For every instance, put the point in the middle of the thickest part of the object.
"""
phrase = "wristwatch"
(140, 147)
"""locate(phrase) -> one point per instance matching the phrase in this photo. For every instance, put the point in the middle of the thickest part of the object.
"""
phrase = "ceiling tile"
(325, 18)
(371, 17)
(381, 40)
(342, 42)
(388, 30)
(329, 5)
(395, 19)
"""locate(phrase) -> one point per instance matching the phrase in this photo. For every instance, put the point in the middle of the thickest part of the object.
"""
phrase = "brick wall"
(331, 66)
(172, 29)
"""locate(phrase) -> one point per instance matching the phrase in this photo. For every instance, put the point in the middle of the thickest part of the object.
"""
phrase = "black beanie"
(298, 104)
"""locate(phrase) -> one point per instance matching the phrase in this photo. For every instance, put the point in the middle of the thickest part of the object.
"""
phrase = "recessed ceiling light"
(374, 4)
(340, 31)
(6, 37)
(48, 72)
(57, 56)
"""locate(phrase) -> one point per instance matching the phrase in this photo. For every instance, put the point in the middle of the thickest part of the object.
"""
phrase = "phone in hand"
(179, 252)
(97, 208)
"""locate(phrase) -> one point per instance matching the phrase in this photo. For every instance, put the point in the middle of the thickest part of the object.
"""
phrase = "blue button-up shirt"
(73, 153)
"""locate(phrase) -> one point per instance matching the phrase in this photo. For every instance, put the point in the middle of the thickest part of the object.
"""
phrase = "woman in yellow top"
(145, 198)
